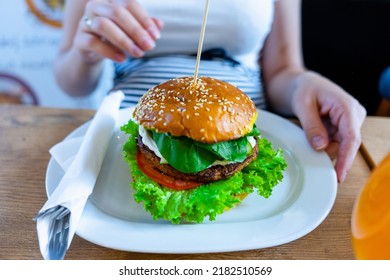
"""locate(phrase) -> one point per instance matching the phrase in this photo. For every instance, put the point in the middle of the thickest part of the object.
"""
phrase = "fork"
(58, 231)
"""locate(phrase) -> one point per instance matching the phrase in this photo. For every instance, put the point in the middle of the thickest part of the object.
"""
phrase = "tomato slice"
(164, 180)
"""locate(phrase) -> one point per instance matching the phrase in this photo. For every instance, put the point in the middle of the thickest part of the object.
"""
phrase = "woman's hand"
(330, 117)
(115, 29)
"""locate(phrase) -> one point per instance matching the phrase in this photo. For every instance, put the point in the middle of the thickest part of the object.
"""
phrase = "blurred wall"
(30, 32)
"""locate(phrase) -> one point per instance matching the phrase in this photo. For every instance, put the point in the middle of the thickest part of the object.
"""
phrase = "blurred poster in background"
(30, 33)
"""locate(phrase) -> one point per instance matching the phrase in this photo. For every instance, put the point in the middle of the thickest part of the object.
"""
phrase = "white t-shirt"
(238, 26)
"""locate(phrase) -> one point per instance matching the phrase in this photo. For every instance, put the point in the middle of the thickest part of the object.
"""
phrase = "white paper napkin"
(81, 173)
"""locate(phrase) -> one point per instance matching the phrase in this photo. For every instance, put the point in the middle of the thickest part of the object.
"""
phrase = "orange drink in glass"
(371, 216)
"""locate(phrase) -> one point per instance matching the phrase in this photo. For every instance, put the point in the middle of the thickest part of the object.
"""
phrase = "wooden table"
(376, 139)
(27, 133)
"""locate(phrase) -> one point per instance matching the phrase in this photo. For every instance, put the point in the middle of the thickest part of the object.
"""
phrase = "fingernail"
(154, 32)
(318, 142)
(147, 43)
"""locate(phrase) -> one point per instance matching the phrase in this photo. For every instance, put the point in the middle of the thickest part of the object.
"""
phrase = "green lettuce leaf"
(235, 150)
(130, 146)
(266, 171)
(189, 156)
(254, 132)
(209, 200)
(182, 153)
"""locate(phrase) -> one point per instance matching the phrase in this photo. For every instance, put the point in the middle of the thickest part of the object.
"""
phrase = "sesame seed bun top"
(211, 111)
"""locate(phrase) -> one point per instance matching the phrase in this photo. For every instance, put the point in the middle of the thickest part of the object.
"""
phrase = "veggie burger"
(194, 150)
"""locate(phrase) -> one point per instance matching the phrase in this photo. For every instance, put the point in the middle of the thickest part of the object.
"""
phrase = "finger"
(130, 26)
(311, 122)
(114, 36)
(143, 18)
(135, 31)
(347, 152)
(350, 139)
(159, 23)
(91, 45)
(123, 19)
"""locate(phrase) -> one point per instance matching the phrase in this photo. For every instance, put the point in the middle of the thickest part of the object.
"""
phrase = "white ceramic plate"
(297, 206)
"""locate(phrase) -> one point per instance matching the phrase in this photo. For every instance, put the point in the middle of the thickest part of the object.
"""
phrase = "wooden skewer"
(206, 10)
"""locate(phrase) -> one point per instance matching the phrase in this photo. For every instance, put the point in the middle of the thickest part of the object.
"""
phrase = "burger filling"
(148, 141)
(217, 171)
(188, 160)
